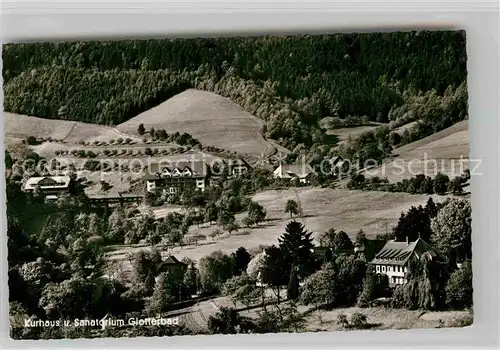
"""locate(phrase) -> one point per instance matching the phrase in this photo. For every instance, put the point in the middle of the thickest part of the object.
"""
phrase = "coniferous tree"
(296, 245)
(360, 237)
(413, 225)
(293, 285)
(161, 298)
(431, 208)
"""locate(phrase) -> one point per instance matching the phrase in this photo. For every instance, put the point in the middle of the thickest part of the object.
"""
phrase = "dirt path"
(70, 131)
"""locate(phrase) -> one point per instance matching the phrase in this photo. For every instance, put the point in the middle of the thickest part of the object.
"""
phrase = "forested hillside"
(291, 82)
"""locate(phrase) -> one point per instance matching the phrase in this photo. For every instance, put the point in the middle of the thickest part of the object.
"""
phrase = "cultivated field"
(374, 212)
(212, 119)
(446, 151)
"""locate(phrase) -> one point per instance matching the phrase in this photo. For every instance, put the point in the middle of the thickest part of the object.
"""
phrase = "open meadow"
(71, 132)
(323, 208)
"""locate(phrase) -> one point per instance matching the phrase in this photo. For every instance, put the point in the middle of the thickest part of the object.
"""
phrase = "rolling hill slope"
(212, 119)
(22, 126)
(439, 152)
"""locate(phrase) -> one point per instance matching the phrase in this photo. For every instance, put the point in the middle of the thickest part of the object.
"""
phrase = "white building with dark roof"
(339, 165)
(293, 171)
(174, 177)
(394, 258)
(49, 185)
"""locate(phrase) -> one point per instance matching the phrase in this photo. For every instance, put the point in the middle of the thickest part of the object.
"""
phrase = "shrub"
(31, 140)
(441, 182)
(358, 320)
(342, 321)
(459, 288)
(140, 129)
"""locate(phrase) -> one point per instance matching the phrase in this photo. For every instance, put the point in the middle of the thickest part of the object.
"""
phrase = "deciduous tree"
(292, 208)
(452, 229)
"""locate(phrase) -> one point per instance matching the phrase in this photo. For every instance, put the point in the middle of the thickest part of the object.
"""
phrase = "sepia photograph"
(238, 185)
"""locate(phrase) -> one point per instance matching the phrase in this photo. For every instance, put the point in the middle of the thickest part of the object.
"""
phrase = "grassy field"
(344, 133)
(378, 318)
(400, 130)
(374, 212)
(212, 119)
(21, 126)
(440, 152)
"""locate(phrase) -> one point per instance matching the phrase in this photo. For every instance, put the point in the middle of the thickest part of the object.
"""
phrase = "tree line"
(422, 184)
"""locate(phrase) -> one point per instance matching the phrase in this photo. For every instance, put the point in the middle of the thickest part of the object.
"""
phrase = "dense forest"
(292, 82)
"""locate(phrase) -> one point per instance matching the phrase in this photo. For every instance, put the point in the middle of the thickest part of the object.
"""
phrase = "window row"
(390, 268)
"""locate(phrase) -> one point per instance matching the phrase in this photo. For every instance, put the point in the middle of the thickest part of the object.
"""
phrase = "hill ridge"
(230, 126)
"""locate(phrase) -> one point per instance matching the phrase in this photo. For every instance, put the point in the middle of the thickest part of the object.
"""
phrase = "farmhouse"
(339, 165)
(302, 172)
(173, 178)
(237, 166)
(394, 258)
(48, 185)
(173, 265)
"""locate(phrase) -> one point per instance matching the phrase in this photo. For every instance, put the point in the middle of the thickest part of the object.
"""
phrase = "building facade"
(340, 166)
(237, 167)
(394, 258)
(293, 171)
(48, 185)
(172, 179)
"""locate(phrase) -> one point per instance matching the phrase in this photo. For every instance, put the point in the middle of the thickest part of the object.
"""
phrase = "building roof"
(293, 170)
(195, 169)
(47, 182)
(398, 253)
(237, 162)
(172, 260)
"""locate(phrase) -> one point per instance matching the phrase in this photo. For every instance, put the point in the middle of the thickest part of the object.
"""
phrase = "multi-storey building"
(48, 185)
(394, 259)
(175, 177)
